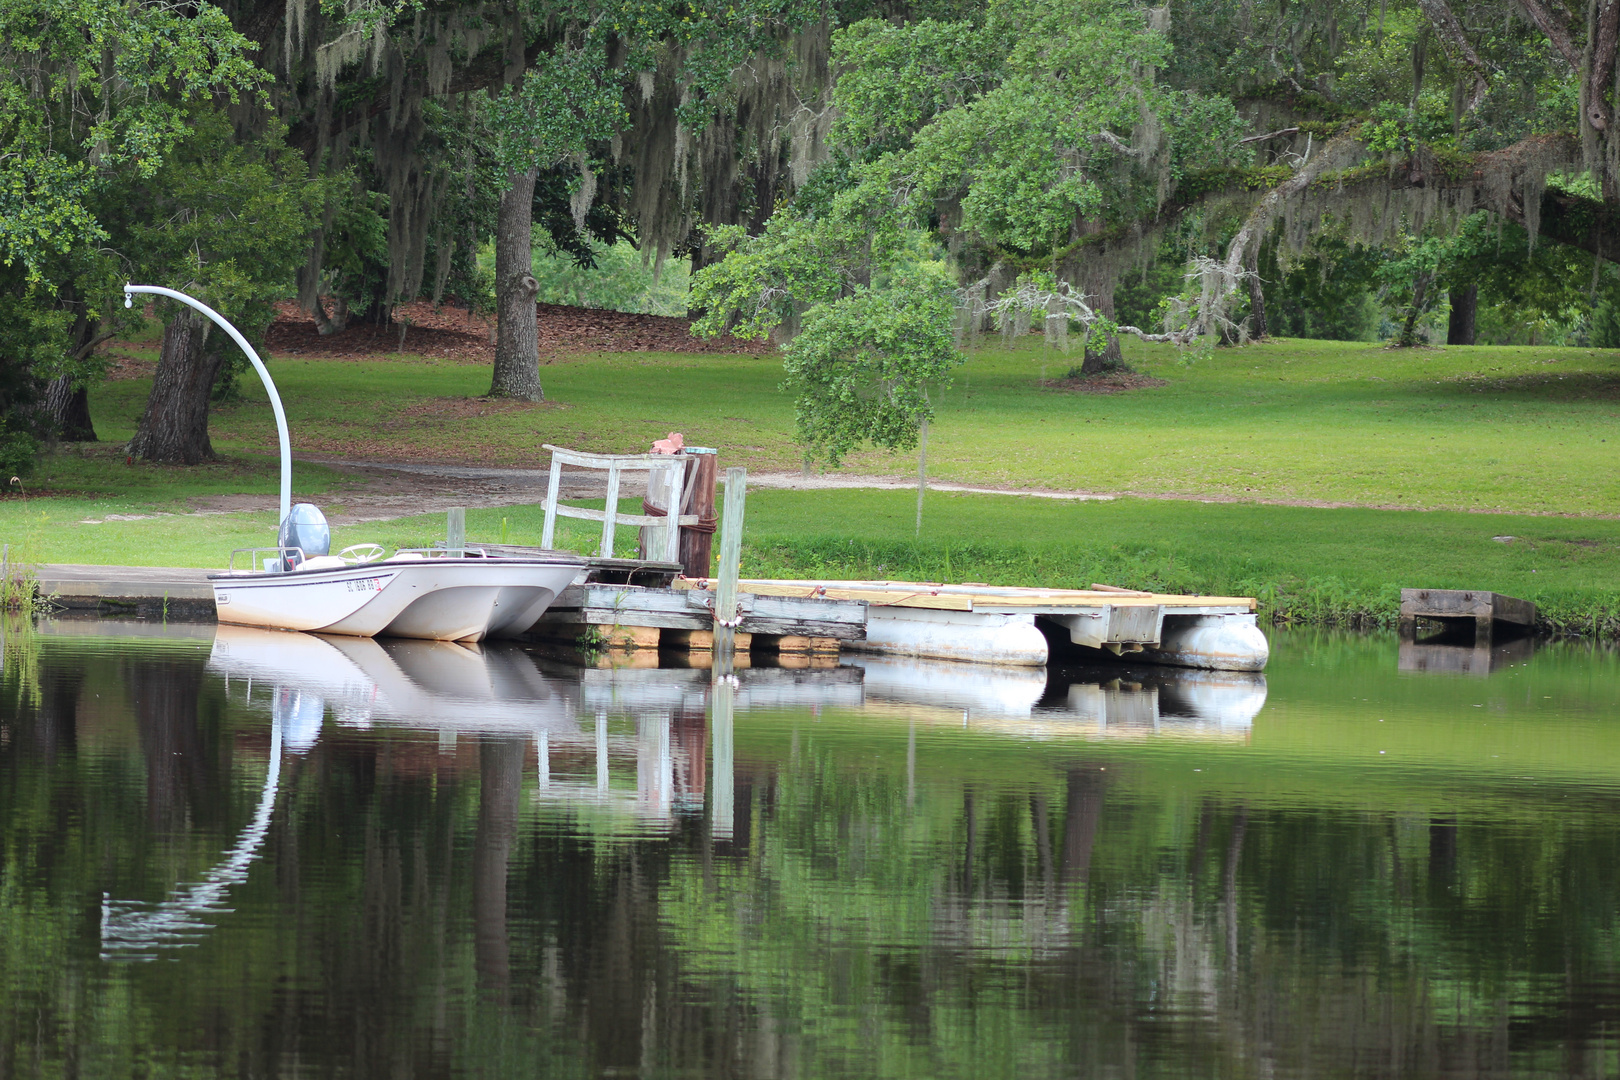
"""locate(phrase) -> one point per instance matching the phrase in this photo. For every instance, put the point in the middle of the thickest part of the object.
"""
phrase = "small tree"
(860, 368)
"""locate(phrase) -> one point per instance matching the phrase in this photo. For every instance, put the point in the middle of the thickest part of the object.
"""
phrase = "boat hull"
(441, 599)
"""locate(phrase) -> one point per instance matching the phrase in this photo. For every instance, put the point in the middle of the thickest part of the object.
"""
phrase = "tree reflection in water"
(489, 864)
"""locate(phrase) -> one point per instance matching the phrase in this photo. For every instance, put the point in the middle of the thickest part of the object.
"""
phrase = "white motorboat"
(440, 595)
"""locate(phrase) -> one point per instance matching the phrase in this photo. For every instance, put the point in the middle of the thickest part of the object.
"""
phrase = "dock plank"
(945, 597)
(681, 609)
(921, 598)
(126, 583)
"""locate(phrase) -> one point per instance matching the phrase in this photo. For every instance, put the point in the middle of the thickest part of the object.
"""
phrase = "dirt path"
(379, 491)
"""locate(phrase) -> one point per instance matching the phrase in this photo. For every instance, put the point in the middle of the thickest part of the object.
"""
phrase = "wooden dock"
(153, 591)
(1456, 609)
(629, 617)
(630, 606)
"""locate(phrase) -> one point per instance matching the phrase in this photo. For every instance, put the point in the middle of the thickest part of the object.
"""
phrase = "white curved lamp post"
(258, 365)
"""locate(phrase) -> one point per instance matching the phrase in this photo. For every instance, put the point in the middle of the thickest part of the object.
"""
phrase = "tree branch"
(90, 346)
(1451, 32)
(1556, 32)
(1115, 142)
(1279, 133)
(1337, 153)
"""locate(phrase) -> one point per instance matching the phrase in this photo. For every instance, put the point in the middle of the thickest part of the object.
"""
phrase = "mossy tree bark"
(1103, 351)
(174, 428)
(1257, 296)
(517, 329)
(70, 410)
(1464, 308)
(67, 399)
(1409, 335)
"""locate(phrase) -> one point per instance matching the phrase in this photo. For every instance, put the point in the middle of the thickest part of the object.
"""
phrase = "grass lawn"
(1485, 428)
(1521, 433)
(1304, 563)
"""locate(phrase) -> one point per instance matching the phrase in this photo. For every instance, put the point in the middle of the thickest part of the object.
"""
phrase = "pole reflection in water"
(130, 930)
(426, 859)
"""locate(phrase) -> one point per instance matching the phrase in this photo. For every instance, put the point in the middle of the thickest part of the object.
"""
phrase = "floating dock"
(627, 605)
(995, 624)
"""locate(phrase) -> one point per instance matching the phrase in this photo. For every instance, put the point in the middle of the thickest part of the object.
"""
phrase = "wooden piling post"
(611, 509)
(725, 597)
(455, 533)
(548, 534)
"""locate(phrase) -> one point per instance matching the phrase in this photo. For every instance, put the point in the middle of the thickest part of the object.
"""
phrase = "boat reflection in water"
(440, 685)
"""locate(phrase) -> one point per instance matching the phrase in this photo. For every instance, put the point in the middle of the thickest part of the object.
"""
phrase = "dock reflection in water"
(1469, 658)
(573, 715)
(424, 859)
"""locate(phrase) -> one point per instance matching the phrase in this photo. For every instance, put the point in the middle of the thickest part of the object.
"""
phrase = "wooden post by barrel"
(697, 500)
(697, 541)
(656, 504)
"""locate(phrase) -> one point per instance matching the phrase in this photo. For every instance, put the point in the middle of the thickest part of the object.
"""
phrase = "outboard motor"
(306, 529)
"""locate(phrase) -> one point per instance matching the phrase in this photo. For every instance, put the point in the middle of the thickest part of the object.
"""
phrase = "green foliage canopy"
(1008, 137)
(860, 369)
(89, 88)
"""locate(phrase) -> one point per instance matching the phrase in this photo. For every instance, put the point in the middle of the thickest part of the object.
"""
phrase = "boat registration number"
(364, 584)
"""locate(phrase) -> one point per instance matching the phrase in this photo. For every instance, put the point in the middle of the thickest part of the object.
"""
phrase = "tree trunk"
(1420, 293)
(1257, 298)
(70, 410)
(327, 325)
(1101, 354)
(174, 428)
(1102, 357)
(517, 329)
(1464, 307)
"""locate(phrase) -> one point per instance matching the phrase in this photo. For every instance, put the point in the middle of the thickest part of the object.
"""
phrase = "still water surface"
(279, 855)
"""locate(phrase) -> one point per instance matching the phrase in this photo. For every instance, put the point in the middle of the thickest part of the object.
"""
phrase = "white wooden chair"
(665, 473)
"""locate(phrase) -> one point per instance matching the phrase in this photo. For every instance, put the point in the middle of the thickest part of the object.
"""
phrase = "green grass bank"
(1322, 566)
(1435, 453)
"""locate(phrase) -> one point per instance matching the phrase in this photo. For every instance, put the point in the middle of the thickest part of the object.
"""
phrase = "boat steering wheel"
(361, 553)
